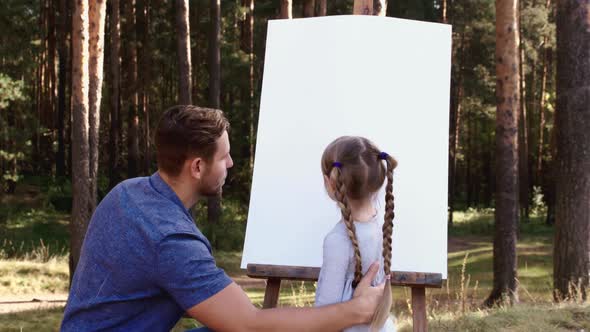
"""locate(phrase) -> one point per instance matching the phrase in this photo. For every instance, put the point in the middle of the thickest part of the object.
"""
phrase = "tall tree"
(507, 94)
(379, 7)
(544, 72)
(363, 7)
(80, 153)
(143, 76)
(51, 89)
(184, 52)
(131, 98)
(214, 203)
(60, 158)
(455, 124)
(97, 12)
(322, 8)
(286, 9)
(523, 136)
(115, 64)
(308, 8)
(572, 123)
(247, 45)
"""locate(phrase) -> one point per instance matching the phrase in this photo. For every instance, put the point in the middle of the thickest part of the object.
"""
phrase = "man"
(144, 263)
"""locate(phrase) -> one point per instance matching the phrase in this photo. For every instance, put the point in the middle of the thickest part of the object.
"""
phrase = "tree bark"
(131, 95)
(308, 8)
(507, 94)
(379, 7)
(144, 76)
(97, 11)
(286, 9)
(184, 52)
(523, 138)
(114, 133)
(363, 7)
(60, 158)
(572, 123)
(322, 8)
(214, 203)
(80, 153)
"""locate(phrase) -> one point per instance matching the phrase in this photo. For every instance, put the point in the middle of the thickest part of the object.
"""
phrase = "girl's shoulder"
(337, 236)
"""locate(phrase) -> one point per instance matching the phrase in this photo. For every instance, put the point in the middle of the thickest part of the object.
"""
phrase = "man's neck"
(182, 188)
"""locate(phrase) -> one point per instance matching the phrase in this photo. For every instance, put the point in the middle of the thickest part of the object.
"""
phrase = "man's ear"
(196, 168)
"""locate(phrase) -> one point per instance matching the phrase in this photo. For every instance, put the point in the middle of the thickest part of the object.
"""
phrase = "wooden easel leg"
(271, 295)
(419, 309)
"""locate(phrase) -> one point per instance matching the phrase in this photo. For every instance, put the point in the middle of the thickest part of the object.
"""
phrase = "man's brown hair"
(186, 131)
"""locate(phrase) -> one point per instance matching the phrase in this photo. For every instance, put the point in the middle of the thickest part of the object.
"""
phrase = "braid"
(389, 215)
(340, 194)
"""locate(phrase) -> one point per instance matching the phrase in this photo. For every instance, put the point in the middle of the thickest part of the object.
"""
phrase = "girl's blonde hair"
(355, 167)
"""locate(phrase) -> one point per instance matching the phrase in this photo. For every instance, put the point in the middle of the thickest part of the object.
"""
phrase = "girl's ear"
(330, 187)
(328, 184)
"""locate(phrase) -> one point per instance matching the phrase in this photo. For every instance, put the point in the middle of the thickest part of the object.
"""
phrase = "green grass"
(550, 317)
(32, 233)
(545, 317)
(20, 277)
(34, 248)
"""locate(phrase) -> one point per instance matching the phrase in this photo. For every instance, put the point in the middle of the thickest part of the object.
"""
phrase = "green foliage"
(10, 90)
(229, 233)
(59, 194)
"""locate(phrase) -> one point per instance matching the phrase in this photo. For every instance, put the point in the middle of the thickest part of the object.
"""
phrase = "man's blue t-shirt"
(143, 262)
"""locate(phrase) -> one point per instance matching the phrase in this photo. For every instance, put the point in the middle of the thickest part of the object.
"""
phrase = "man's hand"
(367, 297)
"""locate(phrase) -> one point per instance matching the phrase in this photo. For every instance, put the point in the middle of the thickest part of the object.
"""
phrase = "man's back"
(143, 262)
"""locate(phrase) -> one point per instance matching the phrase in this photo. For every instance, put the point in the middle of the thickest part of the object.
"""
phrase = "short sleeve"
(332, 279)
(187, 270)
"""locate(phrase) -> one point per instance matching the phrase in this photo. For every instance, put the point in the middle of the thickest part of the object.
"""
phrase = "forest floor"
(34, 275)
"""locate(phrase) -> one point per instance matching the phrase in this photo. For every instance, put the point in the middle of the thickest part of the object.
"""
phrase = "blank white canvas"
(383, 78)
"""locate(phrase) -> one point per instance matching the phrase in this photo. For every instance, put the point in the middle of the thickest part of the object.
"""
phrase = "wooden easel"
(416, 280)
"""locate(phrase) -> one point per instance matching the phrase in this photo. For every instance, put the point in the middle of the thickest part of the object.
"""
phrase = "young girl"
(354, 171)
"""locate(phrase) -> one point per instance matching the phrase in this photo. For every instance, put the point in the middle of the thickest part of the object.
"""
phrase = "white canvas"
(383, 78)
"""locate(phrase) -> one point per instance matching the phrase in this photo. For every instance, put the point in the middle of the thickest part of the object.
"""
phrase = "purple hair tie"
(336, 164)
(383, 155)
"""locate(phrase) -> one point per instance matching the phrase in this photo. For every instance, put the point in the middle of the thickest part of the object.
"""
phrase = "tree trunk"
(507, 94)
(308, 8)
(546, 64)
(51, 92)
(131, 95)
(247, 45)
(572, 123)
(143, 51)
(60, 158)
(184, 52)
(523, 136)
(454, 128)
(115, 32)
(286, 9)
(69, 110)
(80, 156)
(379, 7)
(363, 7)
(214, 203)
(215, 55)
(97, 11)
(322, 8)
(194, 14)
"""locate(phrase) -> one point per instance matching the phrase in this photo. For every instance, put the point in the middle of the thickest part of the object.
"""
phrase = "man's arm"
(231, 310)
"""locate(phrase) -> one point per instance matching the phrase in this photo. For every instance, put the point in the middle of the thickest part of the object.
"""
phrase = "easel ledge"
(418, 281)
